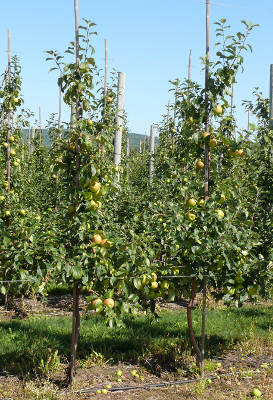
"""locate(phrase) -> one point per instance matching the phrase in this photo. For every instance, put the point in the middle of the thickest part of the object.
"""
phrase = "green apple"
(2, 198)
(144, 280)
(190, 216)
(252, 290)
(154, 277)
(239, 278)
(220, 213)
(151, 294)
(5, 144)
(119, 372)
(71, 208)
(12, 152)
(154, 285)
(165, 285)
(222, 199)
(7, 213)
(23, 212)
(256, 392)
(94, 186)
(238, 287)
(191, 203)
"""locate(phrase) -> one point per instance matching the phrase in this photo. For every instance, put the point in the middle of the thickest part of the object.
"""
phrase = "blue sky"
(148, 40)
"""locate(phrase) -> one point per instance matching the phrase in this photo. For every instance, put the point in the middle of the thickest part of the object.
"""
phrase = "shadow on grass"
(162, 345)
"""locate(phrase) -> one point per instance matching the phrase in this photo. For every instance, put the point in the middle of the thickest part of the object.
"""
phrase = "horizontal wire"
(232, 6)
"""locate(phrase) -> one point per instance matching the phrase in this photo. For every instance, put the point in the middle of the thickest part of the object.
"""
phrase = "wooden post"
(271, 98)
(119, 118)
(140, 146)
(152, 151)
(40, 119)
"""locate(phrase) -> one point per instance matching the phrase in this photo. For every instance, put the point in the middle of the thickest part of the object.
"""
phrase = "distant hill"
(136, 137)
(133, 137)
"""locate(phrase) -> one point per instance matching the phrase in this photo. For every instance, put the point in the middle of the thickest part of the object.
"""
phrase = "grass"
(31, 345)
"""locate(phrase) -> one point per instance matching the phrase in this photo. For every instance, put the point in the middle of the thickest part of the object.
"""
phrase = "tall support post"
(119, 118)
(144, 144)
(140, 147)
(76, 293)
(152, 151)
(127, 156)
(8, 168)
(105, 85)
(8, 129)
(200, 353)
(127, 147)
(32, 139)
(207, 149)
(271, 98)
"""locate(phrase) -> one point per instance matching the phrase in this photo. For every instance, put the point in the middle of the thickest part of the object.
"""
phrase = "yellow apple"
(96, 239)
(212, 143)
(219, 109)
(109, 302)
(200, 164)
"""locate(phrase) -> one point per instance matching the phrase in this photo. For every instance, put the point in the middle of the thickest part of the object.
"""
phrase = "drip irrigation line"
(145, 386)
(163, 384)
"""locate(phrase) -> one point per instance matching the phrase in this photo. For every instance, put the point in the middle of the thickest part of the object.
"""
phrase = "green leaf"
(76, 272)
(137, 283)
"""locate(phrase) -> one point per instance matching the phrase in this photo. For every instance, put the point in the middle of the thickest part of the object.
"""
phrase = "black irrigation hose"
(145, 386)
(152, 385)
